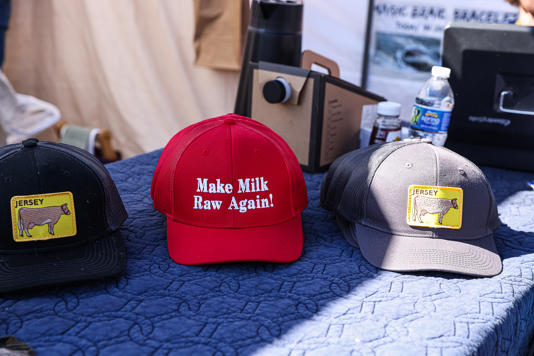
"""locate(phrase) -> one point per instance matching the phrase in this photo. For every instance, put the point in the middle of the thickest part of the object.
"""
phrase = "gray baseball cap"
(412, 206)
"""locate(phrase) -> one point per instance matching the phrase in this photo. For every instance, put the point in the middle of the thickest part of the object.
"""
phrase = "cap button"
(229, 121)
(30, 142)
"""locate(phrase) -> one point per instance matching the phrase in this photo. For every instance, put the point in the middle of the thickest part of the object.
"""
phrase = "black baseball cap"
(60, 214)
(413, 206)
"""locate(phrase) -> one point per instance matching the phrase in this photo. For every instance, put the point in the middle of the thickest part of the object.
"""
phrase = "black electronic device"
(492, 77)
(273, 35)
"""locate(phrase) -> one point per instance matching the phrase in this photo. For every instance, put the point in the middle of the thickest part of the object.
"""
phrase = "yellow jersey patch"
(437, 207)
(43, 216)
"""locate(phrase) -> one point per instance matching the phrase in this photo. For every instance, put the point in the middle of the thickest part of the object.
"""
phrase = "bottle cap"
(442, 72)
(388, 108)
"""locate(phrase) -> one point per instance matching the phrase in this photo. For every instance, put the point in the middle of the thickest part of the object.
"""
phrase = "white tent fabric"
(126, 65)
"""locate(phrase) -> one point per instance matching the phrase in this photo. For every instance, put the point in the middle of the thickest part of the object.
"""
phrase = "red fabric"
(233, 175)
(192, 245)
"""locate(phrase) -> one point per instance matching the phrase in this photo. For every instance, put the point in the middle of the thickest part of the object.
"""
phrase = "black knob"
(277, 91)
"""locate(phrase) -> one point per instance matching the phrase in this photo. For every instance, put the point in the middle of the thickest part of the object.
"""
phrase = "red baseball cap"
(232, 190)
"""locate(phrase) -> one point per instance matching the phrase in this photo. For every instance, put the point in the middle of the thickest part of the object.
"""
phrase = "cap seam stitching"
(436, 172)
(285, 164)
(488, 186)
(370, 181)
(232, 168)
(71, 158)
(173, 174)
(70, 152)
(10, 153)
(100, 183)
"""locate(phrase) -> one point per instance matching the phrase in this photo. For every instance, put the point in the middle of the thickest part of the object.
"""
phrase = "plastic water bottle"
(431, 112)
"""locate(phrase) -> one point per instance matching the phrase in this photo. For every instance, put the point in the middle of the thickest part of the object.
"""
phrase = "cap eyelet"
(408, 165)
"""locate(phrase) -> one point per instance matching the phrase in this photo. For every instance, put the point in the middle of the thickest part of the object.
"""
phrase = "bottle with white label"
(387, 126)
(431, 112)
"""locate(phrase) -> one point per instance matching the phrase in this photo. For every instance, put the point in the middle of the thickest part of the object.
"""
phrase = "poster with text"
(406, 41)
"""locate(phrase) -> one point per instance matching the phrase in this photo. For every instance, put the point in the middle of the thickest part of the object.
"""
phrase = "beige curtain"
(126, 65)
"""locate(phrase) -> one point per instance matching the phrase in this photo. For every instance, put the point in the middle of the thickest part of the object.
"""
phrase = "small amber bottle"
(387, 126)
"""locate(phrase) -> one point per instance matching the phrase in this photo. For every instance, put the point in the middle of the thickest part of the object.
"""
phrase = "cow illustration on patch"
(43, 216)
(437, 207)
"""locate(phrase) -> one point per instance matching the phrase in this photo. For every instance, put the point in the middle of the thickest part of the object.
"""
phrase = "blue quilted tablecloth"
(331, 300)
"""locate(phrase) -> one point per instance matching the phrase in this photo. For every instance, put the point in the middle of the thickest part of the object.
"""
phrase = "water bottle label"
(430, 119)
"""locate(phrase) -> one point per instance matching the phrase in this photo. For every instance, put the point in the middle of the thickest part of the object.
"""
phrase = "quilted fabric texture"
(331, 300)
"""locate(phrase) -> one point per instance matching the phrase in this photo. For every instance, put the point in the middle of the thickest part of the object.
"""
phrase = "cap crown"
(46, 168)
(228, 172)
(375, 193)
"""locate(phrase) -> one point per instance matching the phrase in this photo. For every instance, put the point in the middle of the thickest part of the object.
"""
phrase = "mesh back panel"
(325, 197)
(345, 186)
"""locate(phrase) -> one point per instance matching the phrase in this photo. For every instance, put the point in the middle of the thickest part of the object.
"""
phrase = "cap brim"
(194, 245)
(98, 258)
(408, 254)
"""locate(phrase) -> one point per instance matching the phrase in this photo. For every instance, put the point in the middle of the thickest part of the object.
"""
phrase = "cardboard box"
(320, 121)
